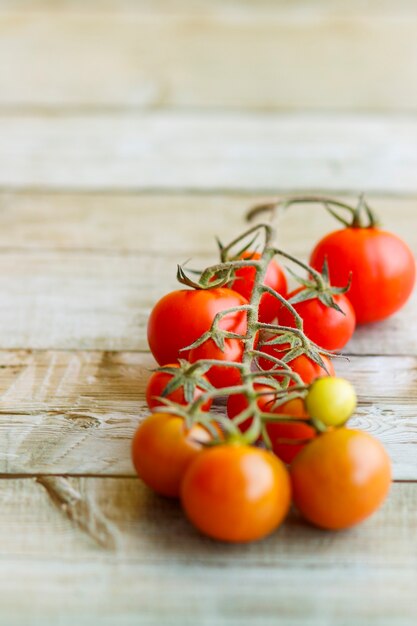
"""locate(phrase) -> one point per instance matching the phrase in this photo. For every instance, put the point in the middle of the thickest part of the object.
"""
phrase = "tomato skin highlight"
(287, 438)
(328, 328)
(219, 375)
(340, 478)
(156, 385)
(162, 449)
(179, 318)
(236, 493)
(382, 265)
(274, 278)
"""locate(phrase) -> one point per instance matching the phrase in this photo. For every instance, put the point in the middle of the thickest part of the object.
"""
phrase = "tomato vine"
(285, 383)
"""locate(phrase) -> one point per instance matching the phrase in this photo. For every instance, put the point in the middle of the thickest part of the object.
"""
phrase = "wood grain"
(223, 55)
(75, 412)
(209, 151)
(93, 300)
(63, 575)
(140, 222)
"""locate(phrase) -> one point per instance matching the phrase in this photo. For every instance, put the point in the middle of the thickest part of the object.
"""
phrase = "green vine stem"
(361, 215)
(283, 383)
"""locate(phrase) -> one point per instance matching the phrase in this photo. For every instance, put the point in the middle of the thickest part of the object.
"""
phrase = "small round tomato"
(287, 438)
(159, 380)
(274, 278)
(340, 478)
(331, 400)
(220, 375)
(162, 449)
(382, 267)
(306, 368)
(236, 493)
(328, 328)
(182, 316)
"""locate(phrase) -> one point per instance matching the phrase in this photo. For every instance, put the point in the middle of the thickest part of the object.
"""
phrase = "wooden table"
(130, 134)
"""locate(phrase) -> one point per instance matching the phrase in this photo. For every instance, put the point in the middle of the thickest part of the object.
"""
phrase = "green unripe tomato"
(331, 400)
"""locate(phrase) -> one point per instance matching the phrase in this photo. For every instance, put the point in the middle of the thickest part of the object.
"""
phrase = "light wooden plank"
(299, 575)
(93, 300)
(224, 56)
(252, 152)
(76, 412)
(231, 8)
(169, 225)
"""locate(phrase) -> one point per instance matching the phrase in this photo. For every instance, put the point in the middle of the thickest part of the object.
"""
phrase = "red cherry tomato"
(236, 493)
(382, 267)
(157, 384)
(305, 367)
(275, 278)
(327, 327)
(181, 317)
(219, 375)
(287, 438)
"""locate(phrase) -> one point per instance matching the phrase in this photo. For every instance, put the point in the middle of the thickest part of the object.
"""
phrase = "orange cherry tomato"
(158, 382)
(220, 375)
(181, 317)
(340, 478)
(162, 449)
(236, 493)
(287, 438)
(274, 277)
(382, 266)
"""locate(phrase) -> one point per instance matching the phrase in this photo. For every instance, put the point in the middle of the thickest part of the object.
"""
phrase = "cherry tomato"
(287, 438)
(236, 493)
(331, 400)
(219, 375)
(157, 384)
(162, 449)
(181, 317)
(340, 478)
(382, 267)
(274, 277)
(328, 328)
(305, 367)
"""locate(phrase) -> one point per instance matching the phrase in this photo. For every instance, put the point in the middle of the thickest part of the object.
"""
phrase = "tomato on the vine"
(287, 438)
(158, 382)
(181, 317)
(236, 493)
(162, 449)
(220, 375)
(381, 265)
(304, 366)
(326, 326)
(340, 478)
(331, 400)
(274, 278)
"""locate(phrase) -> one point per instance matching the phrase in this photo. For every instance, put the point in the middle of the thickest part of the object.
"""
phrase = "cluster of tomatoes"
(284, 437)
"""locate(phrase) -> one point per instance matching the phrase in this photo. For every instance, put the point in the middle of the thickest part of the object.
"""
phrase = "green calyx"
(188, 377)
(318, 287)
